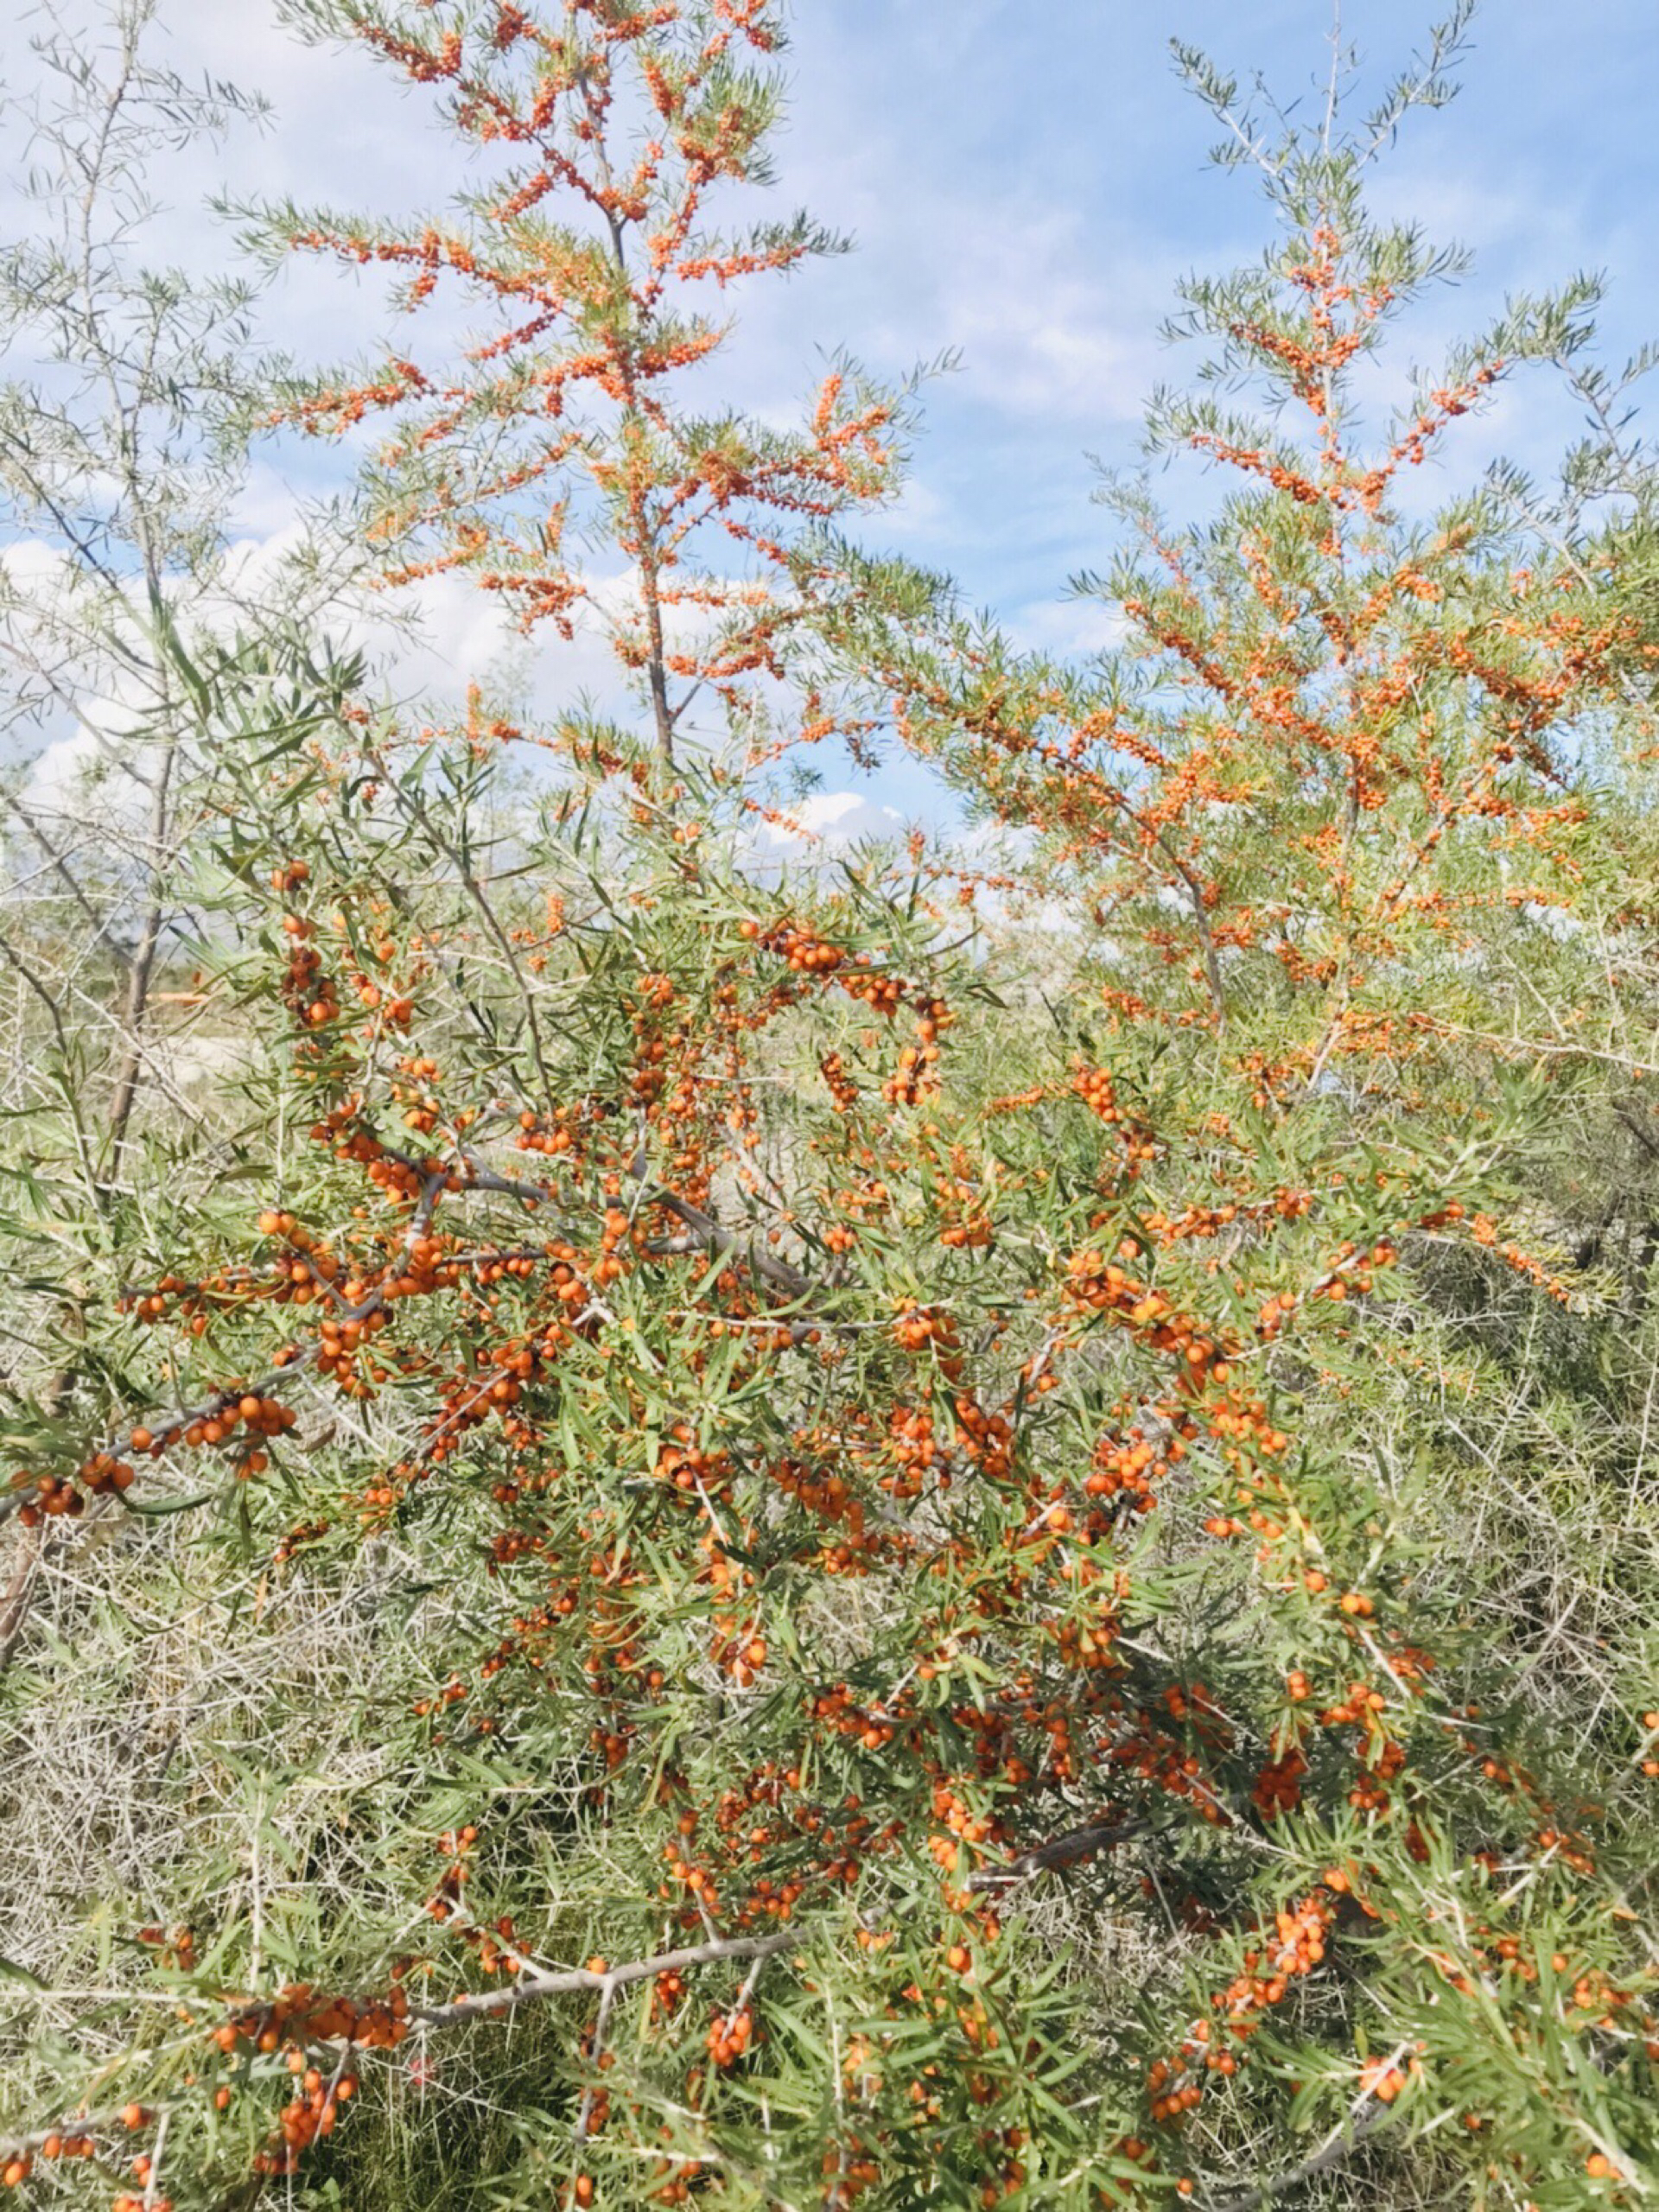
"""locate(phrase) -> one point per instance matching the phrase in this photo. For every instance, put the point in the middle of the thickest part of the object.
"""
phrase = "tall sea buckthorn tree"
(1348, 823)
(849, 1561)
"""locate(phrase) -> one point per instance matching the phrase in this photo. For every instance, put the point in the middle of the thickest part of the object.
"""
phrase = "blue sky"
(1032, 197)
(1026, 180)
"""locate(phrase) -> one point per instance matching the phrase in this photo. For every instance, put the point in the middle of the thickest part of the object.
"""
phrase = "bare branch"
(489, 2002)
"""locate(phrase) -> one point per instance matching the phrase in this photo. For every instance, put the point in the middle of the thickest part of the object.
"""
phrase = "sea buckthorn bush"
(964, 1525)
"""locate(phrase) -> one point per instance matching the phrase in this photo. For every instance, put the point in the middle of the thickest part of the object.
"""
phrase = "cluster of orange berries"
(72, 2142)
(1137, 2152)
(837, 1710)
(843, 1090)
(311, 2112)
(1176, 2085)
(1572, 1848)
(263, 1417)
(1248, 1433)
(731, 2036)
(302, 1533)
(808, 955)
(1101, 1283)
(297, 2016)
(496, 1947)
(455, 1845)
(53, 1495)
(1382, 2079)
(178, 1949)
(913, 1074)
(453, 1693)
(1192, 1702)
(1369, 1793)
(151, 1305)
(917, 1327)
(1352, 1272)
(537, 1133)
(1524, 1263)
(850, 2170)
(1278, 1787)
(994, 1733)
(1157, 1759)
(697, 1878)
(972, 1233)
(296, 1277)
(985, 1440)
(1098, 1092)
(826, 1493)
(310, 996)
(17, 2169)
(915, 1449)
(1199, 1224)
(740, 1650)
(1358, 1709)
(962, 1826)
(1128, 1466)
(1082, 1645)
(677, 2189)
(687, 1467)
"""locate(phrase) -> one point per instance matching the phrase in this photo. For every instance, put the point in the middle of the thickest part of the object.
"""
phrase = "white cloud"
(1066, 627)
(833, 818)
(1039, 328)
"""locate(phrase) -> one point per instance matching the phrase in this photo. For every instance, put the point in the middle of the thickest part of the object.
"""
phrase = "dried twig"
(533, 1987)
(1067, 1850)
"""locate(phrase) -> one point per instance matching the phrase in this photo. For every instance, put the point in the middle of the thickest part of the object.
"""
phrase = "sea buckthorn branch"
(490, 2003)
(73, 2138)
(20, 1592)
(596, 2054)
(255, 1403)
(364, 2027)
(1366, 2114)
(704, 1232)
(711, 1237)
(594, 326)
(252, 1403)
